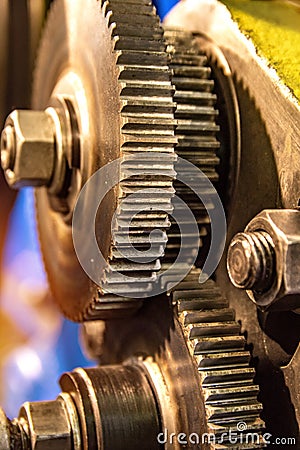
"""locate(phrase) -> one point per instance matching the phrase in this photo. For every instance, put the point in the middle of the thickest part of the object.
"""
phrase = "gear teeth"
(231, 396)
(213, 344)
(195, 84)
(214, 315)
(197, 129)
(147, 127)
(221, 360)
(191, 71)
(128, 29)
(195, 98)
(142, 73)
(229, 328)
(223, 363)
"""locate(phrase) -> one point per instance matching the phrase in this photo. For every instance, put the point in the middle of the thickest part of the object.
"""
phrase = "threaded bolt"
(251, 261)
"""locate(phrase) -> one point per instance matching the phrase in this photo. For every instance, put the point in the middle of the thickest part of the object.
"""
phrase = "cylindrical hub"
(119, 399)
(106, 408)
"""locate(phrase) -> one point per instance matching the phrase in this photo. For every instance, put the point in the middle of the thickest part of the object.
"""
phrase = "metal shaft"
(106, 408)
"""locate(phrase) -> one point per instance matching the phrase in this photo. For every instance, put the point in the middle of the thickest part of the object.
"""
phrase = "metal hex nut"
(48, 425)
(31, 152)
(283, 225)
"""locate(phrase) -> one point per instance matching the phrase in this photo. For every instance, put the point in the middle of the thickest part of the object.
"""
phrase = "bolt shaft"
(251, 261)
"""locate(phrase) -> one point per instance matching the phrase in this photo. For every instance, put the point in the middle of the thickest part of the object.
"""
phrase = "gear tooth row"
(223, 364)
(147, 127)
(196, 117)
(106, 304)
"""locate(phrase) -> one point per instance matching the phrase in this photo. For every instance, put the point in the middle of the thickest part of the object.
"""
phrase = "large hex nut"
(48, 425)
(283, 225)
(28, 148)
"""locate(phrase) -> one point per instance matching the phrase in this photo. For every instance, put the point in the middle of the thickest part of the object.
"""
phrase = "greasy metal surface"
(155, 331)
(65, 52)
(116, 406)
(270, 163)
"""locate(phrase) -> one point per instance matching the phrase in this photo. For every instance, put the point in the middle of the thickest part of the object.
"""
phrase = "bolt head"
(28, 148)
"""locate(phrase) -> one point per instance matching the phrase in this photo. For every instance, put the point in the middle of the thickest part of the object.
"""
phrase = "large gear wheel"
(113, 52)
(195, 340)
